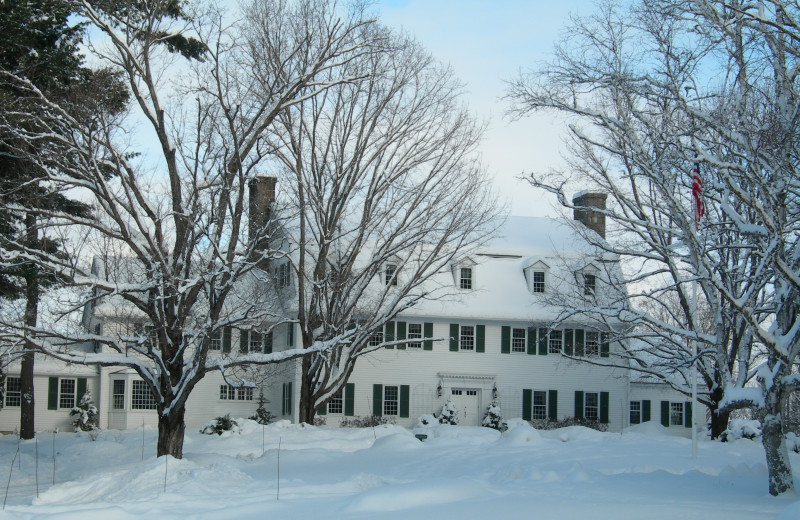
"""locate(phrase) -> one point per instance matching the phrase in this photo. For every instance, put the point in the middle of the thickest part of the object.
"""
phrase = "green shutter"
(604, 347)
(604, 407)
(283, 399)
(52, 394)
(645, 411)
(579, 333)
(404, 396)
(322, 410)
(665, 413)
(290, 334)
(267, 343)
(226, 339)
(428, 332)
(454, 337)
(542, 341)
(480, 338)
(527, 403)
(578, 404)
(244, 341)
(401, 333)
(349, 399)
(687, 414)
(81, 389)
(505, 340)
(568, 336)
(531, 340)
(289, 404)
(377, 400)
(552, 405)
(388, 333)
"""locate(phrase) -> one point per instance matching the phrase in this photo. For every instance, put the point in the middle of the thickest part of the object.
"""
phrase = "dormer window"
(465, 278)
(390, 274)
(283, 275)
(538, 282)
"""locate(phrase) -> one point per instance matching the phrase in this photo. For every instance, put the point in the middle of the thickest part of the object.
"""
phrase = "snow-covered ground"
(386, 473)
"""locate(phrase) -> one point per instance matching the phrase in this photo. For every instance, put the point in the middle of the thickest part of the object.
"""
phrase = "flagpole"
(697, 187)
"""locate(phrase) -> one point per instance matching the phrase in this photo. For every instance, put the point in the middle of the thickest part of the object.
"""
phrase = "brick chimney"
(262, 195)
(593, 220)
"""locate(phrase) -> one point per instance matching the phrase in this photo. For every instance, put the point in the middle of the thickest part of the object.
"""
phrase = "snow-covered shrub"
(85, 414)
(449, 413)
(741, 429)
(262, 416)
(219, 425)
(549, 424)
(366, 422)
(427, 419)
(320, 421)
(494, 418)
(793, 442)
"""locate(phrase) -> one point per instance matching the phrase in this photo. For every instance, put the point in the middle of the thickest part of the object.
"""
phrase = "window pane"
(591, 406)
(555, 341)
(467, 338)
(539, 405)
(518, 337)
(592, 343)
(335, 404)
(376, 339)
(13, 391)
(390, 394)
(66, 397)
(390, 274)
(256, 341)
(466, 278)
(141, 396)
(119, 394)
(676, 414)
(415, 332)
(636, 412)
(216, 341)
(538, 281)
(590, 284)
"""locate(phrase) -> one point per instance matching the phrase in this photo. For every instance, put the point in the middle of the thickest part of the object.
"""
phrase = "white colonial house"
(492, 342)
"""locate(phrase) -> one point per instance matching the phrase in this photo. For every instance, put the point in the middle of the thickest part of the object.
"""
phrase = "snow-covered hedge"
(741, 429)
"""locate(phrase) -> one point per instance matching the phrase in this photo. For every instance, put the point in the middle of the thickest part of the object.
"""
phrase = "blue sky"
(487, 43)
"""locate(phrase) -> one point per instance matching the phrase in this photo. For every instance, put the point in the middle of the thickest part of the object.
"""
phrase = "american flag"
(697, 195)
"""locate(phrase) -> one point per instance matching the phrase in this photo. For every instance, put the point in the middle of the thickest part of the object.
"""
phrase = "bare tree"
(651, 92)
(384, 192)
(169, 215)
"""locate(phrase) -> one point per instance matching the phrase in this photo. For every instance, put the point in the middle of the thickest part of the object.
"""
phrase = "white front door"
(467, 401)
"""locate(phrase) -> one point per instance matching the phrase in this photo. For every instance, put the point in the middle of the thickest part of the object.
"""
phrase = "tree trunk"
(27, 426)
(780, 471)
(719, 422)
(307, 411)
(171, 428)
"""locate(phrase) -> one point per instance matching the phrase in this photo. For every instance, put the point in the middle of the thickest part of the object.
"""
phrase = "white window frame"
(141, 396)
(391, 400)
(244, 393)
(283, 275)
(255, 342)
(676, 411)
(635, 410)
(13, 396)
(555, 341)
(117, 398)
(591, 412)
(466, 338)
(539, 405)
(538, 286)
(412, 334)
(591, 344)
(67, 399)
(519, 340)
(336, 404)
(466, 278)
(215, 342)
(390, 274)
(589, 284)
(376, 339)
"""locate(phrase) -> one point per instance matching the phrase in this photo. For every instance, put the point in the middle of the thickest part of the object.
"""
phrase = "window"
(141, 396)
(467, 337)
(231, 393)
(589, 284)
(518, 340)
(465, 278)
(66, 393)
(555, 342)
(471, 392)
(283, 275)
(539, 405)
(390, 400)
(636, 412)
(335, 404)
(258, 341)
(244, 394)
(390, 275)
(592, 343)
(13, 391)
(538, 281)
(376, 339)
(216, 341)
(456, 391)
(118, 395)
(226, 393)
(676, 414)
(415, 332)
(591, 406)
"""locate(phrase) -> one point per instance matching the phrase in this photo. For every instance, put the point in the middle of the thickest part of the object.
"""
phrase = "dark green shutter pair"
(665, 414)
(480, 338)
(349, 401)
(377, 400)
(52, 392)
(505, 340)
(527, 404)
(603, 412)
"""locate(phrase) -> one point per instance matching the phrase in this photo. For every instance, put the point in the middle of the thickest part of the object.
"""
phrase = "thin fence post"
(54, 456)
(166, 467)
(10, 471)
(142, 438)
(278, 495)
(37, 467)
